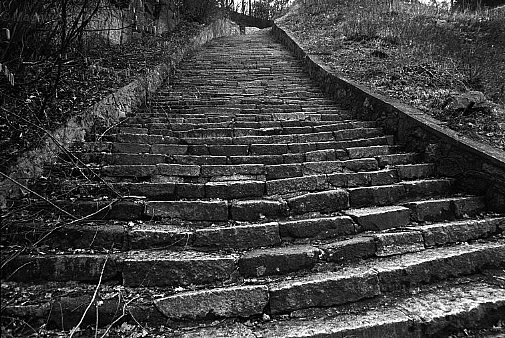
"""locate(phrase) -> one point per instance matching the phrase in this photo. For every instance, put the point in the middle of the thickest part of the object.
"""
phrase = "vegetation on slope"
(421, 55)
(60, 67)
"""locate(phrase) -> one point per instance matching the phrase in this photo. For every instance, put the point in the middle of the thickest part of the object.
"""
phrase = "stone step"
(437, 310)
(259, 262)
(464, 303)
(380, 218)
(242, 136)
(323, 134)
(336, 173)
(398, 159)
(213, 147)
(382, 195)
(278, 260)
(350, 284)
(446, 208)
(162, 112)
(146, 127)
(375, 277)
(232, 147)
(393, 234)
(251, 115)
(230, 189)
(281, 127)
(202, 208)
(312, 118)
(415, 171)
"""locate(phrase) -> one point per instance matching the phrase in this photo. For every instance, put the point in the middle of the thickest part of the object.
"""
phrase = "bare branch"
(76, 328)
(22, 186)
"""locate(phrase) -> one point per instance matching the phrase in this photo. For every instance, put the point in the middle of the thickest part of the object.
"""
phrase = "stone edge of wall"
(30, 164)
(477, 168)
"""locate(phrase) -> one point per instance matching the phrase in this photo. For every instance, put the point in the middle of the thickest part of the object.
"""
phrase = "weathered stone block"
(190, 190)
(139, 138)
(293, 158)
(169, 149)
(198, 149)
(462, 231)
(395, 243)
(325, 201)
(431, 210)
(395, 159)
(189, 210)
(178, 170)
(296, 184)
(228, 150)
(237, 189)
(253, 210)
(363, 164)
(321, 155)
(348, 179)
(371, 151)
(239, 236)
(275, 261)
(415, 171)
(238, 301)
(326, 227)
(380, 218)
(324, 167)
(152, 268)
(230, 170)
(437, 187)
(378, 195)
(268, 149)
(251, 159)
(382, 177)
(322, 290)
(283, 171)
(349, 249)
(301, 147)
(145, 237)
(429, 265)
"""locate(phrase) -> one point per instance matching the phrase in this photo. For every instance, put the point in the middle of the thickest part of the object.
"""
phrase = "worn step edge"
(252, 210)
(434, 310)
(428, 313)
(255, 263)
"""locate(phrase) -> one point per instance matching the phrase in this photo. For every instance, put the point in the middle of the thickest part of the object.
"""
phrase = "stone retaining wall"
(108, 111)
(478, 168)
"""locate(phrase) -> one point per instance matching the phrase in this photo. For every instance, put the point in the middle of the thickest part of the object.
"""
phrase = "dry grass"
(419, 54)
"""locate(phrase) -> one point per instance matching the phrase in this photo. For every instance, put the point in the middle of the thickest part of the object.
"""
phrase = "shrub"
(198, 10)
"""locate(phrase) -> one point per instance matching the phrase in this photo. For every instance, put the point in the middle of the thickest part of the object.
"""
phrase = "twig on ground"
(119, 318)
(36, 194)
(76, 328)
(113, 126)
(19, 268)
(95, 213)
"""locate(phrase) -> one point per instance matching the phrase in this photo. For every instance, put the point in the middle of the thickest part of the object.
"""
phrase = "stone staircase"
(241, 191)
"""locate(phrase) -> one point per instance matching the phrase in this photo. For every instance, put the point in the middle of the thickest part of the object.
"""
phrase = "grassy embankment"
(421, 55)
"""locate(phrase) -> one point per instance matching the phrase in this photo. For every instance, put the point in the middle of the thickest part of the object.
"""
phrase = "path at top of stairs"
(245, 192)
